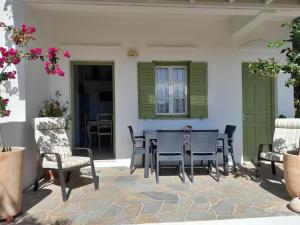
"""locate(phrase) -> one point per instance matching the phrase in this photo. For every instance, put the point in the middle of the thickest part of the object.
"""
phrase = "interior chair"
(105, 127)
(286, 138)
(55, 151)
(229, 130)
(138, 148)
(204, 147)
(170, 149)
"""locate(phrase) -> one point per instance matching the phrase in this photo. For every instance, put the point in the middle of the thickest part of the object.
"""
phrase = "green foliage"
(270, 68)
(53, 108)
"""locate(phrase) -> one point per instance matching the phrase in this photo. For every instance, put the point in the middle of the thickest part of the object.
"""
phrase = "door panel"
(258, 112)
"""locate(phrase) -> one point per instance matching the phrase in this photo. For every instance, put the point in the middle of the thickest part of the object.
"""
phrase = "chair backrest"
(51, 137)
(170, 141)
(287, 135)
(204, 141)
(229, 130)
(131, 134)
(104, 116)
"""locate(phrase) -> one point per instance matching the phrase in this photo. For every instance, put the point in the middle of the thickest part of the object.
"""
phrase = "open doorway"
(93, 106)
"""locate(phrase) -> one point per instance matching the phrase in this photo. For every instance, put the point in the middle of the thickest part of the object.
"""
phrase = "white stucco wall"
(108, 37)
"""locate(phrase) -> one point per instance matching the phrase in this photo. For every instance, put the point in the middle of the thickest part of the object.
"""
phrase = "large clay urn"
(11, 173)
(291, 164)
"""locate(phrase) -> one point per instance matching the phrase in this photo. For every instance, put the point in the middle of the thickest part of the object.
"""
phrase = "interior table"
(151, 134)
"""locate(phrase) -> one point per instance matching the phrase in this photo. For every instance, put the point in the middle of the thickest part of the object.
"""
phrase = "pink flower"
(66, 54)
(2, 50)
(15, 60)
(24, 28)
(6, 112)
(11, 74)
(52, 50)
(59, 71)
(49, 68)
(35, 53)
(2, 61)
(5, 101)
(31, 30)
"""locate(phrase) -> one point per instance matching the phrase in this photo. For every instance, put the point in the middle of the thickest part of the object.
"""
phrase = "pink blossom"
(15, 60)
(66, 54)
(35, 53)
(59, 71)
(2, 61)
(6, 112)
(46, 67)
(24, 28)
(31, 30)
(5, 101)
(2, 50)
(52, 50)
(11, 74)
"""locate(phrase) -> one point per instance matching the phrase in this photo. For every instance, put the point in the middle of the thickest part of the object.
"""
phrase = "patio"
(125, 199)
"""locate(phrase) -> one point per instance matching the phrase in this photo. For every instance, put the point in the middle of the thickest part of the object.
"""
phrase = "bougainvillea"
(20, 37)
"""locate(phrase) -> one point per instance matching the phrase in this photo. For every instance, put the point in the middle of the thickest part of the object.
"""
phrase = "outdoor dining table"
(151, 134)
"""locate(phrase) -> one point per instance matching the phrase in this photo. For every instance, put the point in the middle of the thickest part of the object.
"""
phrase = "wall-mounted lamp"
(132, 53)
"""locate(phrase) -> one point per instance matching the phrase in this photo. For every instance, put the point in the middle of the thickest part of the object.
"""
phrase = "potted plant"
(270, 68)
(12, 158)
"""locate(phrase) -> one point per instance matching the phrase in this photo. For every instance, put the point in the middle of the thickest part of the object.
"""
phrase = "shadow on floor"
(271, 183)
(32, 220)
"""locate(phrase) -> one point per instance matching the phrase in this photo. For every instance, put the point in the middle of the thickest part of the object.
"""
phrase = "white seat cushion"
(273, 156)
(73, 161)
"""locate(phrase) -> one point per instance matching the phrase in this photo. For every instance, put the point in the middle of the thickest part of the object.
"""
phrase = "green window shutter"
(146, 90)
(198, 90)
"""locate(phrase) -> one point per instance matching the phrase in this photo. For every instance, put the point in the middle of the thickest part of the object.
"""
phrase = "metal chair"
(137, 149)
(204, 147)
(104, 127)
(229, 130)
(56, 153)
(286, 138)
(170, 148)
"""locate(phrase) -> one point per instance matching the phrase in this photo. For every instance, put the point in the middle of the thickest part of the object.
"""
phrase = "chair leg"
(273, 168)
(132, 161)
(217, 170)
(151, 161)
(233, 160)
(157, 171)
(95, 178)
(192, 169)
(182, 170)
(99, 143)
(257, 171)
(68, 177)
(62, 184)
(37, 179)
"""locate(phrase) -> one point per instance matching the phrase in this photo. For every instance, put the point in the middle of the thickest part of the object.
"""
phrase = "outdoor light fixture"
(132, 53)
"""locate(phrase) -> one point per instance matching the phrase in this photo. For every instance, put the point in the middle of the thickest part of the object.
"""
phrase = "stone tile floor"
(125, 199)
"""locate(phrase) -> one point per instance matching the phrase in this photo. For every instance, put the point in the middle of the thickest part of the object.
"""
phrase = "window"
(171, 90)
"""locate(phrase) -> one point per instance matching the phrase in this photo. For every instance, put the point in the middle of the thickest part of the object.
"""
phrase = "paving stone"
(170, 217)
(168, 207)
(224, 208)
(197, 216)
(128, 215)
(124, 199)
(151, 207)
(141, 219)
(156, 195)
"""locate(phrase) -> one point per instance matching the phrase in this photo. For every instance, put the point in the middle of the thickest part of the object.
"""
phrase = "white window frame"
(171, 98)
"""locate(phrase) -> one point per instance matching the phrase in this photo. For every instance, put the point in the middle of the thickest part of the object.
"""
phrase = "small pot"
(11, 174)
(291, 165)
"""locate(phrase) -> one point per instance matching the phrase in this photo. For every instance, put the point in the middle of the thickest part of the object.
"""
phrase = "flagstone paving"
(125, 199)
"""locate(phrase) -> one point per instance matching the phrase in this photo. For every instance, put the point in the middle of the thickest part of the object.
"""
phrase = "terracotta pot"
(11, 173)
(291, 165)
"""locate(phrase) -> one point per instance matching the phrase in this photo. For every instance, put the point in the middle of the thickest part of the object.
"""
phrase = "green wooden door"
(258, 112)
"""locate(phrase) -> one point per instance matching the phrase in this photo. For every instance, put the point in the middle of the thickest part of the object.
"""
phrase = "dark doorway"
(93, 108)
